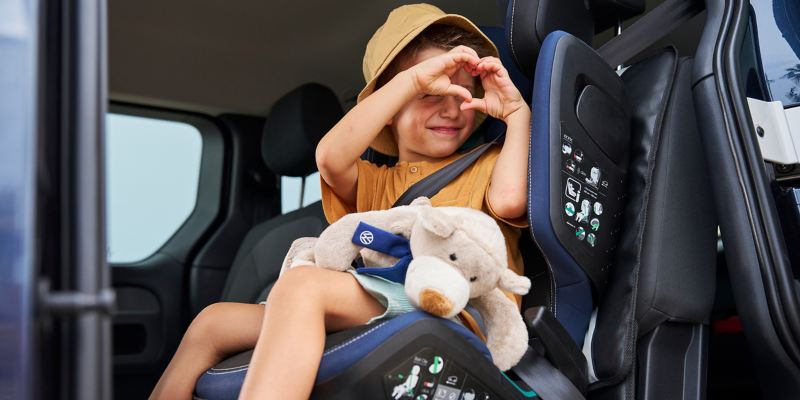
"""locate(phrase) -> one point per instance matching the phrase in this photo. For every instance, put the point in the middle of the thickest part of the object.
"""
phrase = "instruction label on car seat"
(431, 376)
(584, 192)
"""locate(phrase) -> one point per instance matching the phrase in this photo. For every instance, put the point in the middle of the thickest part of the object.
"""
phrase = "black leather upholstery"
(295, 125)
(664, 269)
(679, 285)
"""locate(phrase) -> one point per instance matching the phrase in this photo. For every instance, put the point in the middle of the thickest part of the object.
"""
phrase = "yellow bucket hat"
(401, 27)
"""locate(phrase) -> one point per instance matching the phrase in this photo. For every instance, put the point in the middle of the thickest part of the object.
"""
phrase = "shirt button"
(413, 170)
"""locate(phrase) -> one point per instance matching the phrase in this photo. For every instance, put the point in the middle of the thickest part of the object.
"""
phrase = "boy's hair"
(445, 37)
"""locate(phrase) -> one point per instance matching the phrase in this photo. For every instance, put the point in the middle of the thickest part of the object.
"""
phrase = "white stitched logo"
(366, 237)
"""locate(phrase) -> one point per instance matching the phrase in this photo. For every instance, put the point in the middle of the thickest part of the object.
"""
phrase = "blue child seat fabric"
(225, 383)
(573, 302)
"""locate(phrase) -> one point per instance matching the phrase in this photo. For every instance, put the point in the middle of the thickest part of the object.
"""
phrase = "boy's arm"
(340, 149)
(508, 187)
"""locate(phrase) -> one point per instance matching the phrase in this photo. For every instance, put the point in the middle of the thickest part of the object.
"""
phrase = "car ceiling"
(215, 56)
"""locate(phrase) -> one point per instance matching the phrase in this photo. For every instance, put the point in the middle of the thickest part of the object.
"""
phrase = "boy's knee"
(298, 282)
(203, 325)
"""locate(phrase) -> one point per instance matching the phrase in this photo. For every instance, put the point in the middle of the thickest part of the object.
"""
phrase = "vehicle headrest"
(529, 22)
(294, 127)
(608, 12)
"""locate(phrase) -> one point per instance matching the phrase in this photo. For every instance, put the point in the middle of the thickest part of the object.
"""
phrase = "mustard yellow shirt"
(379, 187)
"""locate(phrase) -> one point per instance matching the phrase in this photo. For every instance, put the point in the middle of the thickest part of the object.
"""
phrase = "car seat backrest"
(579, 148)
(661, 256)
(294, 127)
(664, 265)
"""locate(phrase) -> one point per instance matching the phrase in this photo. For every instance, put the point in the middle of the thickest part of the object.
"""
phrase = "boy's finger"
(492, 67)
(466, 49)
(460, 57)
(475, 104)
(489, 65)
(458, 91)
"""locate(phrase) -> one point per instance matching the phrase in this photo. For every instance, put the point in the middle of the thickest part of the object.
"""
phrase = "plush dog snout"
(436, 287)
(435, 303)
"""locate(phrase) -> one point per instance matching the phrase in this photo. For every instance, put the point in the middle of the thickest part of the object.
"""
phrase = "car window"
(779, 48)
(290, 192)
(152, 176)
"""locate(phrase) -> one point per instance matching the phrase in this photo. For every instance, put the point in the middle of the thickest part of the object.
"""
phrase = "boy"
(419, 104)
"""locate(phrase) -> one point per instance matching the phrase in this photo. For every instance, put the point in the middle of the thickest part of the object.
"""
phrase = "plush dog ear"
(435, 222)
(421, 201)
(514, 283)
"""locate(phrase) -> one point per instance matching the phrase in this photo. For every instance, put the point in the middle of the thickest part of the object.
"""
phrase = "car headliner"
(241, 56)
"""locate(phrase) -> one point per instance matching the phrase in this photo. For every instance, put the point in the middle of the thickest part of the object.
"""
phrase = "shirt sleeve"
(518, 222)
(335, 207)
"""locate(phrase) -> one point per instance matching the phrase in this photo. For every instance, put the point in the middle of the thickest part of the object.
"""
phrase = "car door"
(753, 56)
(56, 301)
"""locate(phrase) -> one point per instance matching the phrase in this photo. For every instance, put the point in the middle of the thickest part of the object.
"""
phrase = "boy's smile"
(430, 128)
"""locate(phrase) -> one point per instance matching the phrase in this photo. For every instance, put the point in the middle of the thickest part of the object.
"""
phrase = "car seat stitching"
(211, 372)
(230, 368)
(511, 32)
(553, 292)
(353, 340)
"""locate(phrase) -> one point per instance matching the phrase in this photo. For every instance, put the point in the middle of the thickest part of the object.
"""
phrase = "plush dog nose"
(435, 303)
(435, 286)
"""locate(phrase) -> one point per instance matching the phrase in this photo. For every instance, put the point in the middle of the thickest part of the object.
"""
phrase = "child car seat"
(639, 296)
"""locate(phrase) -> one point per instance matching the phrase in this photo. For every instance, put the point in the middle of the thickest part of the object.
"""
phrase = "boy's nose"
(450, 107)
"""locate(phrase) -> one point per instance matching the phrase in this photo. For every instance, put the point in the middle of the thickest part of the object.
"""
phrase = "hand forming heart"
(501, 97)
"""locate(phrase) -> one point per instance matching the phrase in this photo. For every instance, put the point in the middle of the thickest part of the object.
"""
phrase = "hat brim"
(384, 143)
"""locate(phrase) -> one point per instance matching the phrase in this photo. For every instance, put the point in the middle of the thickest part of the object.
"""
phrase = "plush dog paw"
(301, 253)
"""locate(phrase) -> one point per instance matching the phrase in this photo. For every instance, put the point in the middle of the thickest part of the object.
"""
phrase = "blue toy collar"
(384, 242)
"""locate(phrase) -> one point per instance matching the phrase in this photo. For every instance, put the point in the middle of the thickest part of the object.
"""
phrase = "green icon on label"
(569, 208)
(580, 233)
(437, 365)
(595, 224)
(590, 239)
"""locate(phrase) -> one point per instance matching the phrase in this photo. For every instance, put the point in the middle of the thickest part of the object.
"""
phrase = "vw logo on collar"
(366, 237)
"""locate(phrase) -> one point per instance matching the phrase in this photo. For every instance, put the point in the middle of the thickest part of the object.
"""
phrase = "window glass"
(779, 46)
(152, 176)
(290, 192)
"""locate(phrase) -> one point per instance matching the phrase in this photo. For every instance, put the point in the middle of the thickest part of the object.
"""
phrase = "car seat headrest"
(295, 126)
(529, 22)
(608, 12)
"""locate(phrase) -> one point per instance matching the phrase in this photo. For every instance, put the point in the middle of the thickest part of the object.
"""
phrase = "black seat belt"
(433, 183)
(648, 29)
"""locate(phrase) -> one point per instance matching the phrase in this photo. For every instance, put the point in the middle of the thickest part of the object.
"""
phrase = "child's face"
(433, 127)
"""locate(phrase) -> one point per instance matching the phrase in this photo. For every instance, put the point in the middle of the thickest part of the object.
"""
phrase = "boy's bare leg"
(220, 330)
(302, 305)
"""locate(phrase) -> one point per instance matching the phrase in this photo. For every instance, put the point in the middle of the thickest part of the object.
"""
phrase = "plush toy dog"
(459, 255)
